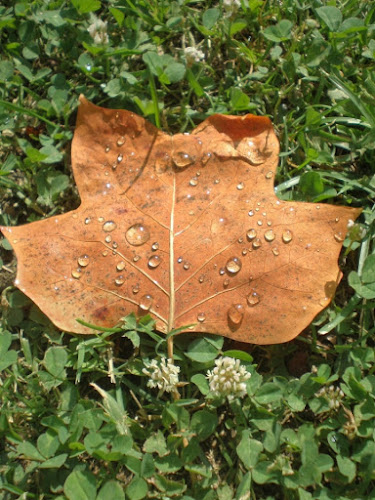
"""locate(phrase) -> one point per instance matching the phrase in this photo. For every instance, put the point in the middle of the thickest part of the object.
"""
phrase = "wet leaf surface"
(186, 228)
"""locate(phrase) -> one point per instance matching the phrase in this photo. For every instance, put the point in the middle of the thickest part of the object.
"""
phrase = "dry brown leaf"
(186, 228)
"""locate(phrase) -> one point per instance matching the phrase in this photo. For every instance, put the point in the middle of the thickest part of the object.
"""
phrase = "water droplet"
(193, 181)
(253, 299)
(201, 317)
(145, 302)
(182, 159)
(135, 289)
(120, 141)
(206, 158)
(120, 266)
(233, 265)
(244, 251)
(137, 235)
(260, 223)
(240, 186)
(136, 258)
(251, 213)
(216, 181)
(198, 174)
(179, 260)
(83, 260)
(162, 162)
(155, 246)
(154, 261)
(201, 278)
(120, 158)
(226, 283)
(257, 243)
(107, 148)
(120, 280)
(269, 235)
(240, 240)
(105, 253)
(269, 175)
(114, 245)
(275, 251)
(337, 219)
(235, 313)
(269, 223)
(108, 238)
(339, 237)
(109, 226)
(100, 219)
(221, 271)
(77, 273)
(87, 220)
(318, 207)
(186, 266)
(324, 302)
(287, 236)
(251, 234)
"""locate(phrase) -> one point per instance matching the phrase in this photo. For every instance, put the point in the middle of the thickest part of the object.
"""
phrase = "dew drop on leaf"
(83, 260)
(251, 234)
(120, 280)
(225, 282)
(257, 243)
(109, 226)
(120, 266)
(77, 273)
(201, 317)
(136, 258)
(137, 234)
(339, 237)
(182, 159)
(193, 181)
(145, 302)
(108, 238)
(240, 186)
(269, 235)
(275, 251)
(120, 158)
(135, 289)
(269, 175)
(120, 141)
(206, 158)
(155, 246)
(87, 220)
(154, 261)
(233, 265)
(236, 313)
(287, 236)
(107, 148)
(253, 299)
(186, 266)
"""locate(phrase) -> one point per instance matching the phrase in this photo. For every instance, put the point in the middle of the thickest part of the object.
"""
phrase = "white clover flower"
(228, 378)
(98, 31)
(231, 5)
(193, 55)
(163, 375)
(333, 395)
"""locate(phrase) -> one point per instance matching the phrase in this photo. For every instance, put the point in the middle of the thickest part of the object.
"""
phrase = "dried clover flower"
(98, 31)
(228, 378)
(193, 55)
(163, 375)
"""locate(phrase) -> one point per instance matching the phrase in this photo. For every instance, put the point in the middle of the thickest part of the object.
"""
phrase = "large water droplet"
(182, 159)
(77, 273)
(145, 302)
(120, 141)
(120, 266)
(233, 265)
(109, 226)
(235, 313)
(137, 235)
(154, 261)
(201, 317)
(287, 236)
(253, 299)
(269, 235)
(193, 181)
(120, 280)
(251, 234)
(83, 260)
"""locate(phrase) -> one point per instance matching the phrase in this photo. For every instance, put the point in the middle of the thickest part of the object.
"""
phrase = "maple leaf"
(187, 228)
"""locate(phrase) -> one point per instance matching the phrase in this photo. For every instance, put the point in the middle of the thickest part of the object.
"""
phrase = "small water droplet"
(287, 236)
(137, 235)
(257, 243)
(77, 273)
(269, 175)
(324, 302)
(193, 181)
(120, 280)
(120, 266)
(318, 207)
(251, 234)
(216, 181)
(206, 158)
(154, 261)
(120, 158)
(253, 299)
(107, 148)
(240, 186)
(260, 223)
(135, 289)
(108, 238)
(226, 283)
(275, 251)
(179, 260)
(244, 251)
(269, 223)
(100, 219)
(339, 237)
(269, 235)
(109, 226)
(145, 302)
(201, 278)
(235, 313)
(251, 213)
(182, 159)
(120, 141)
(240, 240)
(105, 253)
(201, 317)
(198, 174)
(83, 260)
(221, 271)
(186, 266)
(87, 220)
(233, 265)
(136, 258)
(114, 245)
(155, 246)
(337, 219)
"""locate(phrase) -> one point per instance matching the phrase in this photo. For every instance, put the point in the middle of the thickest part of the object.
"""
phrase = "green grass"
(77, 419)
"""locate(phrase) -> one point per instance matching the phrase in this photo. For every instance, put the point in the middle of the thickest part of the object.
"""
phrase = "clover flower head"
(333, 395)
(163, 375)
(231, 5)
(98, 31)
(356, 232)
(193, 55)
(228, 378)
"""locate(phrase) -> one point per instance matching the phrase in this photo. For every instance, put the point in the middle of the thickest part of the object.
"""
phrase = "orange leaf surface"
(187, 228)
